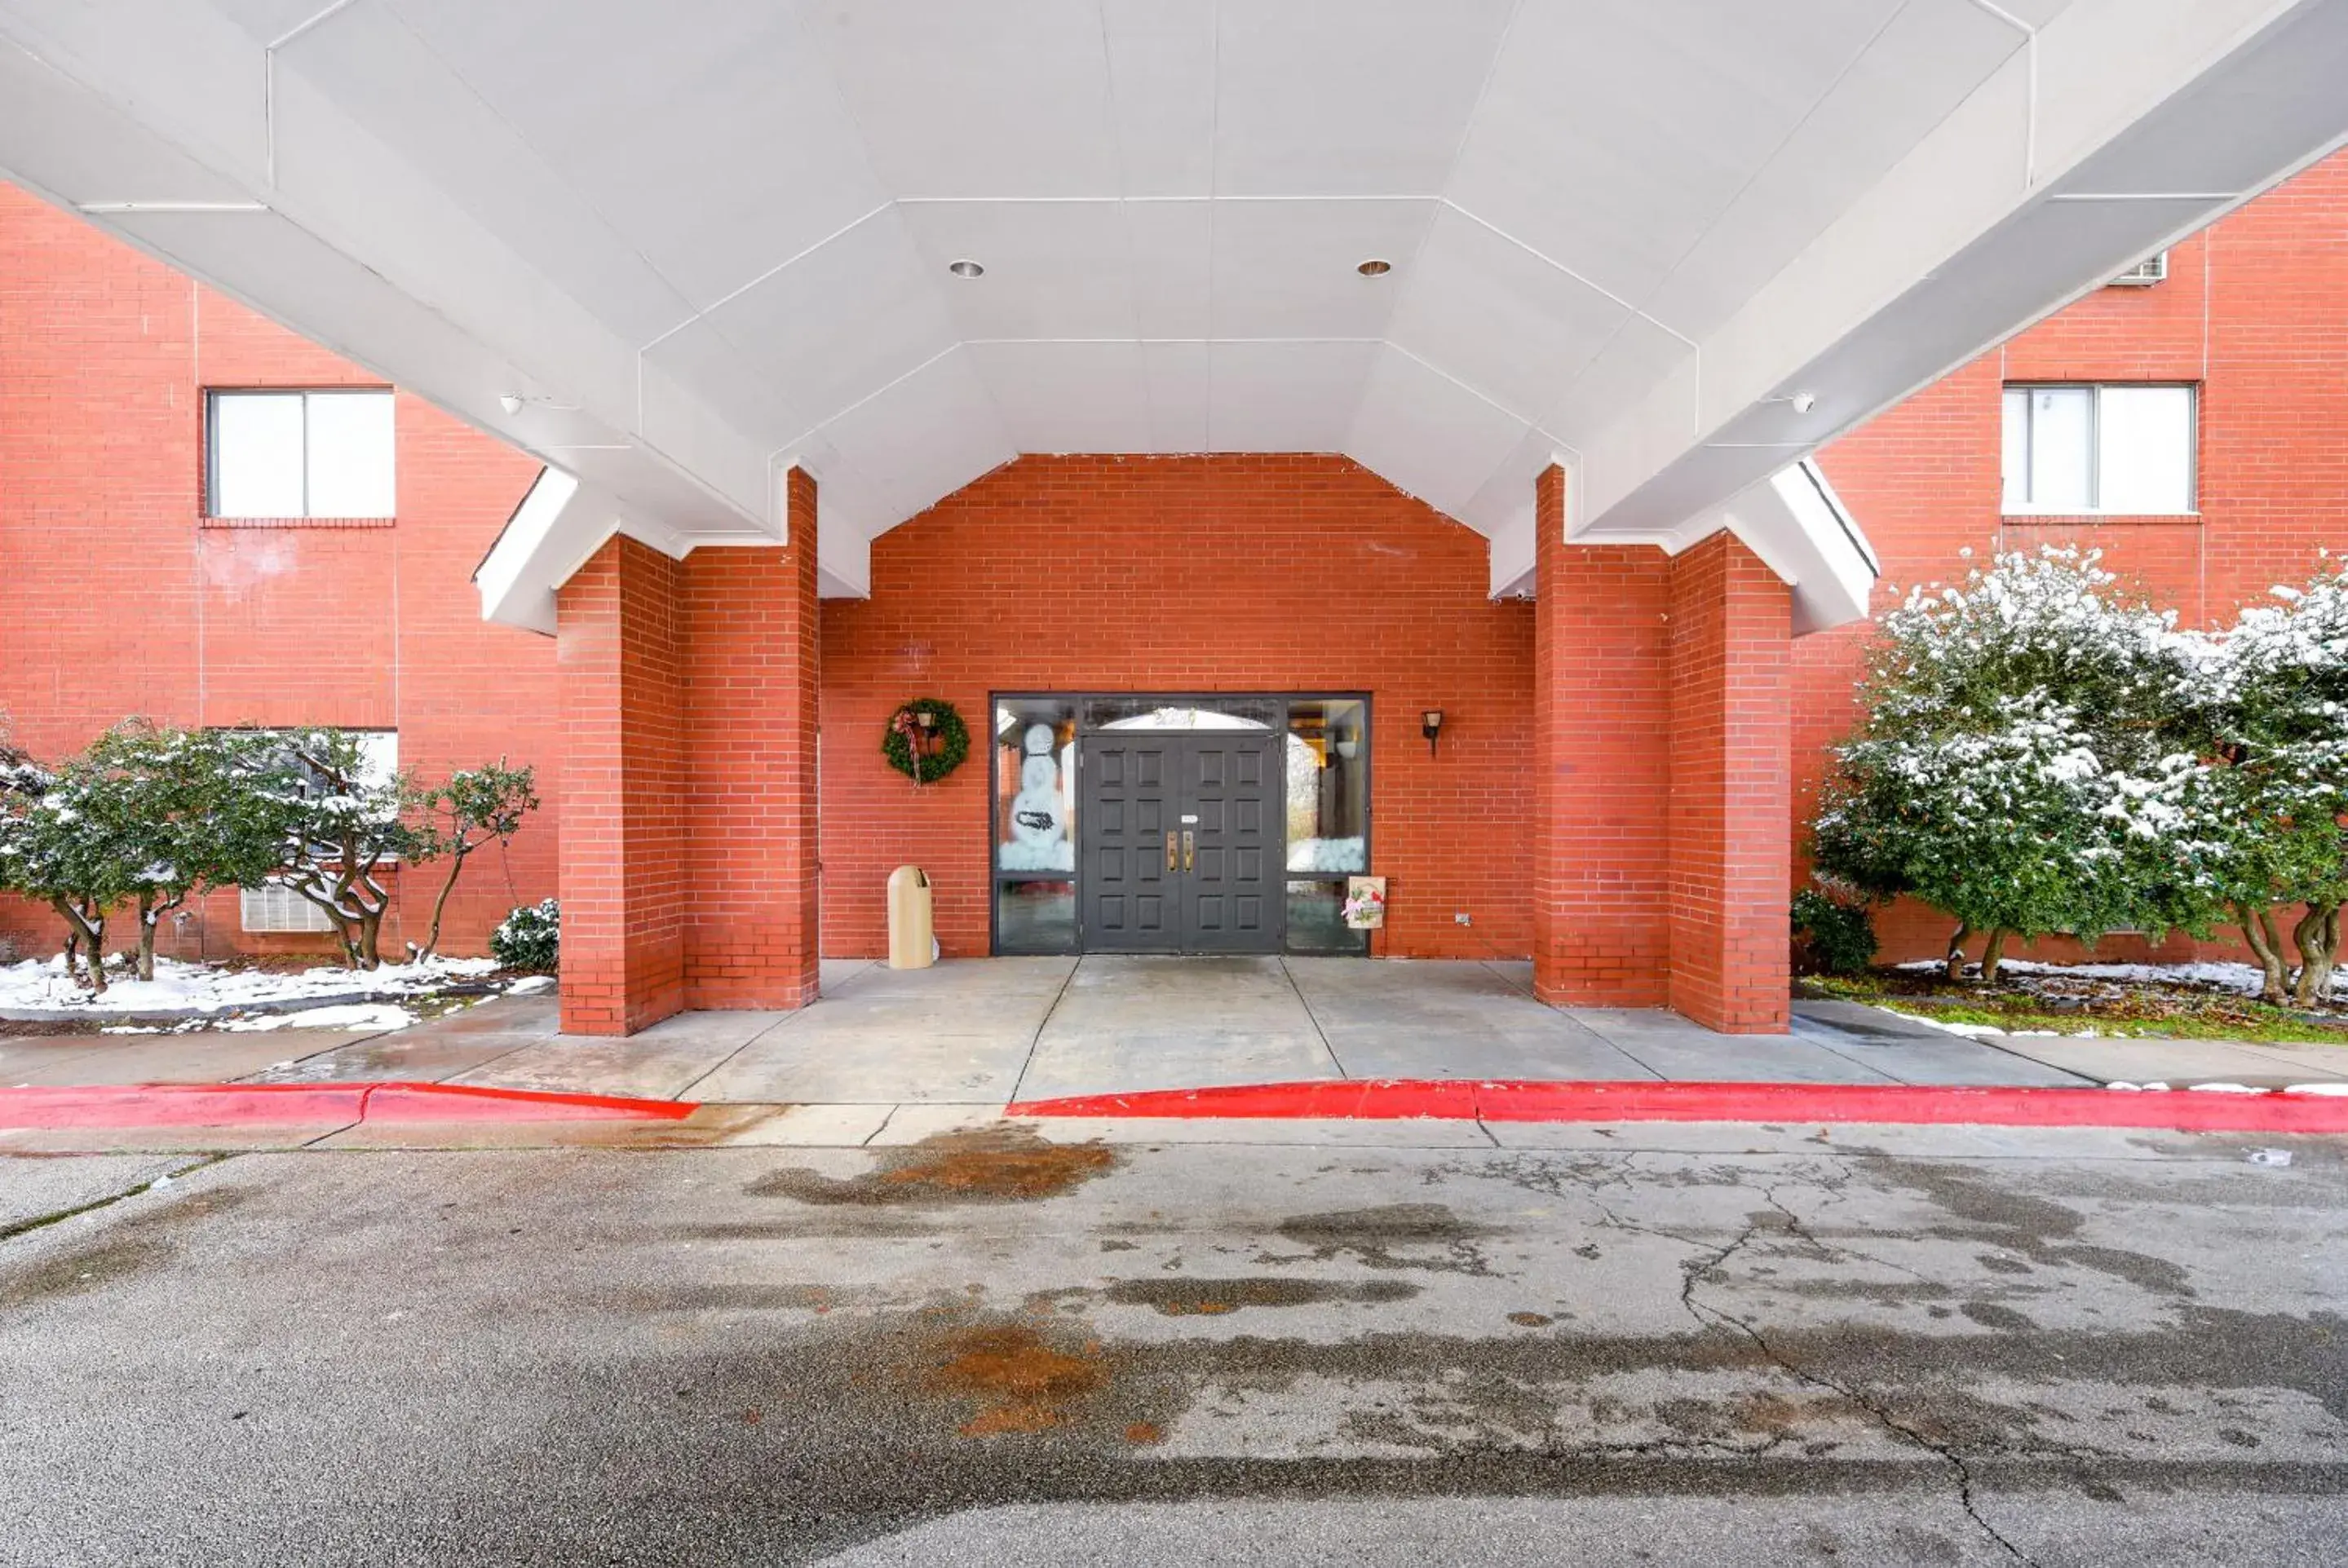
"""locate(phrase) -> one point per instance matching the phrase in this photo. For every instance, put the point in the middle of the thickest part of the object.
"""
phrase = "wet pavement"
(980, 1344)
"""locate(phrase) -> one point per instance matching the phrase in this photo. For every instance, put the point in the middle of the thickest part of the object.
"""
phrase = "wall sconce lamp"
(1430, 724)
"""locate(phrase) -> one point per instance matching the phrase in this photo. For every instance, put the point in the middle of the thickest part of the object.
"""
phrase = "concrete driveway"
(1718, 1346)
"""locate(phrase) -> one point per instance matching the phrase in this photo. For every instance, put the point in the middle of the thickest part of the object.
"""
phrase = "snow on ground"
(372, 1016)
(1984, 1030)
(37, 984)
(2243, 977)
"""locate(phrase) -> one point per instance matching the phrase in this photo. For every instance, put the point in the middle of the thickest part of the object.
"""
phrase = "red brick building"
(2252, 315)
(123, 596)
(1637, 850)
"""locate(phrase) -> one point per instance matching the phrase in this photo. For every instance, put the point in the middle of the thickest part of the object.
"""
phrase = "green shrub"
(530, 938)
(1836, 938)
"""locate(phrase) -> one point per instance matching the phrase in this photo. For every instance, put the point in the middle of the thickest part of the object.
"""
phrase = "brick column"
(1731, 788)
(752, 927)
(1601, 722)
(620, 658)
(688, 792)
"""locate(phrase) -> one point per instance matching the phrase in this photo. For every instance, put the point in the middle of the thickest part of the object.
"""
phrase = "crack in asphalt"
(1692, 1276)
(58, 1216)
(1693, 1273)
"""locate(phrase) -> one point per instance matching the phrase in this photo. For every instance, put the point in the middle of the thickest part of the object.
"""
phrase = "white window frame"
(214, 397)
(2097, 389)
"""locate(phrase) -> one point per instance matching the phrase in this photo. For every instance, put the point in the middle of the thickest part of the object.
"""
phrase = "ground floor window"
(1133, 822)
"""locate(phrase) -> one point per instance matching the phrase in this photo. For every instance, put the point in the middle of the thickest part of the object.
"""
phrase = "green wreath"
(945, 739)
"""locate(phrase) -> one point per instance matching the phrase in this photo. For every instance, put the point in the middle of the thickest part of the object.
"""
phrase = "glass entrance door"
(1092, 853)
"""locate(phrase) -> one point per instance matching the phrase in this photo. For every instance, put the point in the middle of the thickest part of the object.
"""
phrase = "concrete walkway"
(977, 1034)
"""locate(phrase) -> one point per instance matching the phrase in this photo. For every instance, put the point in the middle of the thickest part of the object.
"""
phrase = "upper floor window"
(300, 454)
(2119, 449)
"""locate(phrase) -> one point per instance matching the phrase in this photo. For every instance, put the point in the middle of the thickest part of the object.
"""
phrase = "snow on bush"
(529, 937)
(2041, 754)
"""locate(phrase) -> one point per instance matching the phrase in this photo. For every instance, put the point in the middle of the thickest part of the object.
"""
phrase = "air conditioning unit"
(2144, 273)
(276, 907)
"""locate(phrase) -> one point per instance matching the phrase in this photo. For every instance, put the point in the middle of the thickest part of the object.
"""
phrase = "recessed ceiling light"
(965, 269)
(1374, 268)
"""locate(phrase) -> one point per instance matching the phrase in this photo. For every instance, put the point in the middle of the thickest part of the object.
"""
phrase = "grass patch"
(2056, 1003)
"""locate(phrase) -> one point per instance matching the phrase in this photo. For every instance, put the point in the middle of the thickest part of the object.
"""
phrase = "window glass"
(1205, 713)
(349, 453)
(381, 750)
(302, 455)
(1037, 916)
(2144, 457)
(1327, 758)
(257, 454)
(2111, 449)
(1036, 825)
(1316, 919)
(2061, 448)
(2016, 466)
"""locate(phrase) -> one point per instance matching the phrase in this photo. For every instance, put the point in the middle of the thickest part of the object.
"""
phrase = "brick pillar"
(620, 658)
(752, 925)
(1731, 788)
(1601, 722)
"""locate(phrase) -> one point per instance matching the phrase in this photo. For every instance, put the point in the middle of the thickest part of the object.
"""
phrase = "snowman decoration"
(1039, 818)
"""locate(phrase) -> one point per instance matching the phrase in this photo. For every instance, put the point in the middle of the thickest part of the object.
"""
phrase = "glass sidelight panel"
(1328, 795)
(1034, 917)
(1036, 825)
(1316, 919)
(1327, 756)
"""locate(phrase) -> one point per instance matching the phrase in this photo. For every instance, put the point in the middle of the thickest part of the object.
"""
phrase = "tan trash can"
(911, 945)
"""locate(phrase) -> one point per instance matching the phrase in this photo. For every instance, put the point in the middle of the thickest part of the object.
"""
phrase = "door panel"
(1215, 887)
(1228, 894)
(1127, 807)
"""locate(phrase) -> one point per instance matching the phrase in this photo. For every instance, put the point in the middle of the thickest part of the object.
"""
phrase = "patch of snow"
(1972, 1030)
(2246, 978)
(351, 1015)
(180, 986)
(2316, 1088)
(2223, 1089)
(530, 985)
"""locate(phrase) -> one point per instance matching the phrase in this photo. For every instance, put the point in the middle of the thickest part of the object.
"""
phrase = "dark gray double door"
(1179, 843)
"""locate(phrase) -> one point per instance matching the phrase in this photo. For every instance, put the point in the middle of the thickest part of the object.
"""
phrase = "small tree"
(341, 821)
(476, 807)
(182, 809)
(57, 847)
(2271, 713)
(2016, 768)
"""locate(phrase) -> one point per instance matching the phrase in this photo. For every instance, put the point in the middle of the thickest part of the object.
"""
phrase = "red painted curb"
(2176, 1110)
(254, 1104)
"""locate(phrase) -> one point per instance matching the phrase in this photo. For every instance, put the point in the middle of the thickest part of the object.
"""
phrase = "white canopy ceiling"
(693, 243)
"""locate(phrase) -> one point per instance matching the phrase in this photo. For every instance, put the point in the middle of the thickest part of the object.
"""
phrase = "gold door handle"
(1172, 863)
(1189, 849)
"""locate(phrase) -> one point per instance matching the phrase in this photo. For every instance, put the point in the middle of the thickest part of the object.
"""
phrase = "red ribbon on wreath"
(919, 733)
